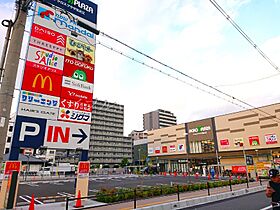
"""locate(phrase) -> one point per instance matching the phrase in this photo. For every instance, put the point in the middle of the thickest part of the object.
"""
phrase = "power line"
(189, 84)
(236, 26)
(186, 75)
(169, 67)
(248, 82)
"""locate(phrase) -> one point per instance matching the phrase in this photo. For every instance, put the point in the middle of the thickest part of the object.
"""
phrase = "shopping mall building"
(222, 142)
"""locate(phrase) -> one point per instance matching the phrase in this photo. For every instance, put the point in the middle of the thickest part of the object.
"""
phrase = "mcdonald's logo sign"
(11, 166)
(84, 167)
(43, 81)
(40, 81)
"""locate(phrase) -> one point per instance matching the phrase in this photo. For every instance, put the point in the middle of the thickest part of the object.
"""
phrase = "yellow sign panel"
(80, 50)
(251, 168)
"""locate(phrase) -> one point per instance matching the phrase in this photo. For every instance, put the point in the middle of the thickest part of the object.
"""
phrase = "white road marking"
(24, 199)
(65, 194)
(34, 199)
(57, 183)
(268, 207)
(32, 184)
(99, 181)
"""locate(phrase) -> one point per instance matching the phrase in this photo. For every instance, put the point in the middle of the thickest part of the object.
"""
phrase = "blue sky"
(193, 37)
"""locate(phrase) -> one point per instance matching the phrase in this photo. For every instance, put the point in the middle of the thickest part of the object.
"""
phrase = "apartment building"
(158, 119)
(108, 145)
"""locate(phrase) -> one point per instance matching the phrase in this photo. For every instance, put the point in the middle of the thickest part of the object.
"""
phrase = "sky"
(192, 37)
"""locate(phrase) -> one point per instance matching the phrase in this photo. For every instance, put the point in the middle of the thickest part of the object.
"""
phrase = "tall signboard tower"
(55, 103)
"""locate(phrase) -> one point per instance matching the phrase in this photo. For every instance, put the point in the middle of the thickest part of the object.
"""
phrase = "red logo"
(164, 149)
(46, 13)
(238, 169)
(76, 105)
(76, 95)
(75, 68)
(254, 140)
(11, 166)
(84, 167)
(224, 142)
(40, 81)
(49, 35)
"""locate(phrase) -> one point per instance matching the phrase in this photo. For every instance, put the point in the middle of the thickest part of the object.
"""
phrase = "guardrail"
(113, 196)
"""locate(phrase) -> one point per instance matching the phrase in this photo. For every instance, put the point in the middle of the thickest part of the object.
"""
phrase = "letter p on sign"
(24, 131)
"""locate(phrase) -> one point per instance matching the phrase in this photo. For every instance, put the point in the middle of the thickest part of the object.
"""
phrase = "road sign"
(29, 132)
(66, 135)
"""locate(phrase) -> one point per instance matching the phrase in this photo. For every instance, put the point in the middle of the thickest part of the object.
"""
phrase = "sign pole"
(10, 74)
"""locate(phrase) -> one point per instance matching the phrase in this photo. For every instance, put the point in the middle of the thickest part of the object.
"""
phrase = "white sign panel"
(65, 135)
(39, 99)
(150, 150)
(77, 84)
(73, 115)
(45, 58)
(57, 21)
(37, 111)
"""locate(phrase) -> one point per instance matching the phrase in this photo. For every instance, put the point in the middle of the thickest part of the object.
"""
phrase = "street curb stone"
(203, 200)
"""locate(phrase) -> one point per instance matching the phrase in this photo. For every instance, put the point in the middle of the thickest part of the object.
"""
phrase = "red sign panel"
(76, 95)
(40, 81)
(254, 140)
(239, 169)
(77, 105)
(11, 166)
(224, 142)
(157, 150)
(84, 167)
(78, 69)
(164, 149)
(49, 35)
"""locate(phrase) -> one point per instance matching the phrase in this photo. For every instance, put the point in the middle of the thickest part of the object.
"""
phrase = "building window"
(10, 128)
(7, 150)
(9, 139)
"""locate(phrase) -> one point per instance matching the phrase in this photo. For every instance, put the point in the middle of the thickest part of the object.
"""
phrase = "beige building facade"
(228, 142)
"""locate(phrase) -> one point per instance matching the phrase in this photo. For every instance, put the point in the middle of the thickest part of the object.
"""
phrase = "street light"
(218, 163)
(139, 156)
(242, 144)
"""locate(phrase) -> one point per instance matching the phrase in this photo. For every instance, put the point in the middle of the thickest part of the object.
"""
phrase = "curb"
(204, 200)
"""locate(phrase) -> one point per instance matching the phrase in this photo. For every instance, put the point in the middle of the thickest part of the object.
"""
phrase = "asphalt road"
(254, 201)
(66, 186)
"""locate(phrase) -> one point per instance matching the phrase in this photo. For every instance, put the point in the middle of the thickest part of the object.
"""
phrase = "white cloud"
(191, 36)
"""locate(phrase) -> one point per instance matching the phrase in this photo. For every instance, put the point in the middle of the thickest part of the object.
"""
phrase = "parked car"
(44, 171)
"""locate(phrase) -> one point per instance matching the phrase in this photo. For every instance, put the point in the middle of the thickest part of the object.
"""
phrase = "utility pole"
(10, 74)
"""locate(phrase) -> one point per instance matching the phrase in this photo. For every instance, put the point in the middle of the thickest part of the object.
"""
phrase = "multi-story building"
(140, 146)
(237, 142)
(108, 145)
(158, 119)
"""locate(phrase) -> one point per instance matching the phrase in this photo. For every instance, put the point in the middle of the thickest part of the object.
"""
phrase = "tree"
(124, 162)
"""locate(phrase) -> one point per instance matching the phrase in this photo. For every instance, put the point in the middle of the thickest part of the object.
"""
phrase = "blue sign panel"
(29, 132)
(82, 8)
